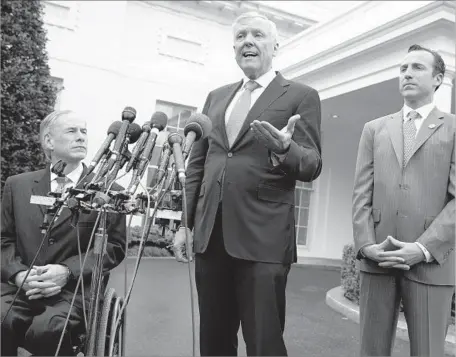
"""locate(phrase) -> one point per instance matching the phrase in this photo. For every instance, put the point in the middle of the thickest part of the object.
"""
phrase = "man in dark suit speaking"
(38, 315)
(240, 195)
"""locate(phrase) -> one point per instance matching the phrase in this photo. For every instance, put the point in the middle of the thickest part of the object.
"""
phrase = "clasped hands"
(392, 253)
(43, 281)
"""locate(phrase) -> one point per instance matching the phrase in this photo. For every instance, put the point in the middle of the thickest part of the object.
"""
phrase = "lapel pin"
(431, 126)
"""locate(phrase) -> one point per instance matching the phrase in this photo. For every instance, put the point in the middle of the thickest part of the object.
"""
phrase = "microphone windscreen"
(134, 130)
(159, 120)
(58, 168)
(174, 138)
(114, 128)
(200, 124)
(146, 127)
(129, 114)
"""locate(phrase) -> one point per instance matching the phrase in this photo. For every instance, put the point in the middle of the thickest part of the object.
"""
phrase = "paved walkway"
(158, 321)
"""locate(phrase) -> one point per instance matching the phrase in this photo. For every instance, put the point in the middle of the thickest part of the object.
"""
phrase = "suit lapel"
(273, 91)
(428, 127)
(394, 126)
(42, 185)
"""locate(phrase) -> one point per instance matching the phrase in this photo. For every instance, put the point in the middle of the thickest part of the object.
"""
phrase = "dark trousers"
(427, 310)
(234, 292)
(37, 325)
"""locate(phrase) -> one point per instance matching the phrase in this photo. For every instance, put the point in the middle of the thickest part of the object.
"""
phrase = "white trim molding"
(375, 52)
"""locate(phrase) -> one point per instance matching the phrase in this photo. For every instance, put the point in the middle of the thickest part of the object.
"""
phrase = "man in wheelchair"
(37, 317)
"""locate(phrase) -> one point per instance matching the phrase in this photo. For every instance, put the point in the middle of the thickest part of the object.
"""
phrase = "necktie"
(409, 130)
(62, 183)
(240, 111)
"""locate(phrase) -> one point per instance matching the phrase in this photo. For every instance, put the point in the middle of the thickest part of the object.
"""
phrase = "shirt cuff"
(429, 257)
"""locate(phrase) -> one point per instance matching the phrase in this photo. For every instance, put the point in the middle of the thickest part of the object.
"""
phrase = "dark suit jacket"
(21, 235)
(412, 204)
(258, 198)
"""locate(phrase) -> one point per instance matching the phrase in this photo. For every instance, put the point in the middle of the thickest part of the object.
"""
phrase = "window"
(58, 83)
(60, 13)
(303, 192)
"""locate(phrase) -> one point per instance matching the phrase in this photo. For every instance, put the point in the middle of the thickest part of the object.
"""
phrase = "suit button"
(230, 154)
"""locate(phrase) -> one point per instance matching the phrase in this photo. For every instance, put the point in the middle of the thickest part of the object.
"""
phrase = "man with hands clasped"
(240, 196)
(404, 215)
(37, 317)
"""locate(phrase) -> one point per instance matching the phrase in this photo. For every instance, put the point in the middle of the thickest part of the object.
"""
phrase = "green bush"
(28, 94)
(350, 278)
(350, 274)
(156, 244)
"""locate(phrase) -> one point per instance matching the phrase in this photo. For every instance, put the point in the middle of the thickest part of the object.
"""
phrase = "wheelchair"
(105, 339)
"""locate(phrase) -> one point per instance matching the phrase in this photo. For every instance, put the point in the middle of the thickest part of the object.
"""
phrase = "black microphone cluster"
(95, 191)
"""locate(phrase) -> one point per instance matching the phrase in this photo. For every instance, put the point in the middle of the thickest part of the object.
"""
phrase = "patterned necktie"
(62, 183)
(240, 111)
(409, 130)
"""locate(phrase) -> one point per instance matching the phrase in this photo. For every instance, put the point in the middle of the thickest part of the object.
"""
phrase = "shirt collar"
(263, 80)
(423, 111)
(74, 175)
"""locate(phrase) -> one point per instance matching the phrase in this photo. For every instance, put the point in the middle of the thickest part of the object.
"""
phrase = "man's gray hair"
(46, 126)
(253, 14)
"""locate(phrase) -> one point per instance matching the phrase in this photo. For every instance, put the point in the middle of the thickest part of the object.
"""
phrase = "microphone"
(58, 168)
(113, 130)
(198, 126)
(139, 146)
(175, 141)
(132, 135)
(158, 123)
(128, 116)
(164, 161)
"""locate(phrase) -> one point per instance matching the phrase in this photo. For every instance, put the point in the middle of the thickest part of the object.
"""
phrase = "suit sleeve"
(362, 219)
(195, 173)
(303, 159)
(115, 249)
(11, 262)
(439, 238)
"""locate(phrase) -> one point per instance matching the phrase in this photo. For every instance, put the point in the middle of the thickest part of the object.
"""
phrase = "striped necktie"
(240, 111)
(409, 129)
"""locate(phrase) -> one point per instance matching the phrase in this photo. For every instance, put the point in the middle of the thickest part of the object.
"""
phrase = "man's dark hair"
(439, 64)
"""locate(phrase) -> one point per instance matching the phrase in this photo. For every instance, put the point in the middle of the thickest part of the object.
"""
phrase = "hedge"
(156, 245)
(350, 277)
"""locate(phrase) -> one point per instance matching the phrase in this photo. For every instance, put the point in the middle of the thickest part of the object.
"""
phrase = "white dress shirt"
(424, 113)
(263, 81)
(73, 178)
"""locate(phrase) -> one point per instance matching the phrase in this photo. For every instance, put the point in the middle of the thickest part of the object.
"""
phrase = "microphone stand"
(99, 250)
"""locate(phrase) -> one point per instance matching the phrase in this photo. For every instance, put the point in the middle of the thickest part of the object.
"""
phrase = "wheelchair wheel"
(102, 333)
(110, 343)
(117, 338)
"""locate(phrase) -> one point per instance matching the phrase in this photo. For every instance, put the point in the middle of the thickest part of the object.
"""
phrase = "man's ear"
(48, 142)
(438, 79)
(276, 49)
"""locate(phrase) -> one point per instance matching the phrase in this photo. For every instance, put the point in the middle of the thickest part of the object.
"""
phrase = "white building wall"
(113, 54)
